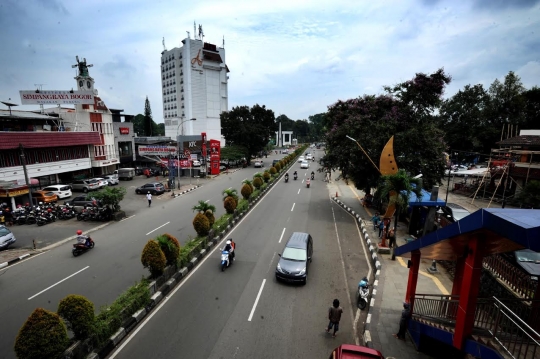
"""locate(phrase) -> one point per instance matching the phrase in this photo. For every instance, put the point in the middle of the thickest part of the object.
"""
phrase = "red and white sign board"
(215, 153)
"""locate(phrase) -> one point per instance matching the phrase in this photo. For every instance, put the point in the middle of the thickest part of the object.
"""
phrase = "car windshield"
(294, 254)
(50, 189)
(4, 231)
(528, 256)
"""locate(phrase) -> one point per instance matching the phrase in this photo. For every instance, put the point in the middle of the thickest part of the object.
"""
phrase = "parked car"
(102, 182)
(85, 185)
(528, 262)
(61, 190)
(350, 351)
(452, 213)
(274, 162)
(295, 259)
(153, 187)
(112, 179)
(301, 158)
(257, 164)
(82, 201)
(196, 163)
(304, 164)
(44, 196)
(6, 237)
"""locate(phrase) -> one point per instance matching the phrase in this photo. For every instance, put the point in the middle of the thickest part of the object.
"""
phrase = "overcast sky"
(297, 57)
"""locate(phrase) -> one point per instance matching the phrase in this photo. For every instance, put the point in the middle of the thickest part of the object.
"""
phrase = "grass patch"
(222, 222)
(186, 249)
(242, 205)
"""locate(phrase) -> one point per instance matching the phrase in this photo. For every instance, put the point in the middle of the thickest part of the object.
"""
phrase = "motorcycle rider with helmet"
(286, 177)
(295, 174)
(229, 246)
(312, 175)
(82, 239)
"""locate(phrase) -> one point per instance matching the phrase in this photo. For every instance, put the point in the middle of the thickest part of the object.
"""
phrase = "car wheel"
(137, 191)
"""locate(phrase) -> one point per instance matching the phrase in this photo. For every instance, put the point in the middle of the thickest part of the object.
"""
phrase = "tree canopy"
(250, 128)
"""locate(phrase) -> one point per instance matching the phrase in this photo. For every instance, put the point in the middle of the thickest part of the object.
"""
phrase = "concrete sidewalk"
(390, 282)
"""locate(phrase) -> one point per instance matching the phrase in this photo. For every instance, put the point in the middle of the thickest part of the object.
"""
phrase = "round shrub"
(273, 170)
(78, 312)
(246, 191)
(170, 247)
(210, 215)
(257, 182)
(277, 166)
(229, 204)
(43, 335)
(153, 258)
(281, 164)
(201, 224)
(266, 176)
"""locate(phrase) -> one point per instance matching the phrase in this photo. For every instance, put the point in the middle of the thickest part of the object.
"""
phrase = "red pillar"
(413, 277)
(469, 292)
(458, 276)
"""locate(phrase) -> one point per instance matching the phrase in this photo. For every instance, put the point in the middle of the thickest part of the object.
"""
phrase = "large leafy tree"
(249, 128)
(316, 126)
(532, 108)
(407, 112)
(158, 129)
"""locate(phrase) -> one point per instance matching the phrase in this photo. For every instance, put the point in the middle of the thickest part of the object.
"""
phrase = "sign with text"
(157, 150)
(53, 97)
(124, 130)
(215, 151)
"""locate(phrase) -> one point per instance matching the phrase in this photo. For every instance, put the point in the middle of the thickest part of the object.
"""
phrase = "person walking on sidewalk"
(334, 315)
(405, 315)
(375, 219)
(381, 228)
(149, 198)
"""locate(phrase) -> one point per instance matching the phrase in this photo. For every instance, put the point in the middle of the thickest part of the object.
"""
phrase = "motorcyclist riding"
(81, 238)
(286, 176)
(229, 246)
(295, 174)
(312, 175)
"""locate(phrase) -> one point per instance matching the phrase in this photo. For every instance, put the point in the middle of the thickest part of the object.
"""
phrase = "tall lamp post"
(369, 158)
(178, 144)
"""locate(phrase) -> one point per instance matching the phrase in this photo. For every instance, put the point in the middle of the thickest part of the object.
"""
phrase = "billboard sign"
(157, 150)
(53, 97)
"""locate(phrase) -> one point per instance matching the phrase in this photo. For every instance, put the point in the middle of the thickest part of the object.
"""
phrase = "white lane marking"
(298, 190)
(292, 207)
(207, 201)
(127, 218)
(282, 233)
(157, 228)
(180, 285)
(256, 300)
(55, 284)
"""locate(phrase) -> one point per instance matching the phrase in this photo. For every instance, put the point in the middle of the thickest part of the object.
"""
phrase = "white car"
(304, 164)
(60, 190)
(309, 157)
(301, 159)
(102, 182)
(258, 164)
(112, 179)
(196, 163)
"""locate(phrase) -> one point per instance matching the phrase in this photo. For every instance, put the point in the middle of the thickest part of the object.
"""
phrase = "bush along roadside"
(168, 263)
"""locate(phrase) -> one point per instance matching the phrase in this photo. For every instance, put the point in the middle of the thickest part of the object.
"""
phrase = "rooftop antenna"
(164, 47)
(201, 33)
(41, 110)
(194, 30)
(223, 41)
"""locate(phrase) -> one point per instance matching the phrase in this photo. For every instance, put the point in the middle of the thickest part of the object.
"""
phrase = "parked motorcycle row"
(45, 213)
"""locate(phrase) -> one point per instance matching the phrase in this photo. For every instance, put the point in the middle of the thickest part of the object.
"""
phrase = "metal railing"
(499, 321)
(520, 283)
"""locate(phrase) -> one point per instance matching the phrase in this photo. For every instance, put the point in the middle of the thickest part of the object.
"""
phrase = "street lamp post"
(369, 158)
(178, 144)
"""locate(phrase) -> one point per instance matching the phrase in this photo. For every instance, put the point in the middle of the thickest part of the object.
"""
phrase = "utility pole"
(23, 161)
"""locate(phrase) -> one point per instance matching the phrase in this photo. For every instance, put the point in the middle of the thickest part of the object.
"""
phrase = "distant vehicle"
(528, 261)
(274, 162)
(452, 213)
(296, 257)
(44, 196)
(85, 185)
(285, 152)
(349, 351)
(309, 156)
(257, 164)
(102, 182)
(6, 237)
(61, 190)
(301, 158)
(155, 188)
(304, 164)
(126, 174)
(81, 201)
(196, 163)
(112, 179)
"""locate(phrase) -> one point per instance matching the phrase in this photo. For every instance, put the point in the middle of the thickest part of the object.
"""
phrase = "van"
(125, 173)
(295, 259)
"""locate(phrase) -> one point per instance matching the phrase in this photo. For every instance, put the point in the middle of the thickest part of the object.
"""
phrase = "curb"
(11, 261)
(176, 195)
(376, 263)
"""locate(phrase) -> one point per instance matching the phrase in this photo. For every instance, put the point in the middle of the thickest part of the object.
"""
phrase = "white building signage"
(57, 97)
(157, 150)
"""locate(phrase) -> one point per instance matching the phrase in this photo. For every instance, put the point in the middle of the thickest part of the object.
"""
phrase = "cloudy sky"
(297, 57)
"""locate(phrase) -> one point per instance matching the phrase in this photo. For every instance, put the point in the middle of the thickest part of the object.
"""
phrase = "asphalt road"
(244, 312)
(112, 266)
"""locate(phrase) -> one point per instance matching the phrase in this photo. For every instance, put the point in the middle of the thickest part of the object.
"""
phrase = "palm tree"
(230, 200)
(397, 188)
(230, 192)
(249, 183)
(202, 207)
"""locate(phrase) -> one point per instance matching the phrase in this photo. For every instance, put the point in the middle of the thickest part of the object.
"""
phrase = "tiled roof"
(11, 140)
(526, 140)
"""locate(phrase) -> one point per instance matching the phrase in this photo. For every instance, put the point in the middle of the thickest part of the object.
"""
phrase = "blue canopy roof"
(502, 229)
(424, 200)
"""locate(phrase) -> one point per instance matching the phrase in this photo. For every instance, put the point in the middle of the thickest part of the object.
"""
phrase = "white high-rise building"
(194, 83)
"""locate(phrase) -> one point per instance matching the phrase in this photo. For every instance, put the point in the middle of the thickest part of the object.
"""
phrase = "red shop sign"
(124, 130)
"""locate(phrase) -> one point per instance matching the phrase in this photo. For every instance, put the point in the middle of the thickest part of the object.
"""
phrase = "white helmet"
(228, 241)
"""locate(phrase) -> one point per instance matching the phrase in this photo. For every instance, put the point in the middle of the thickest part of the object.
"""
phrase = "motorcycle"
(307, 183)
(286, 179)
(80, 248)
(363, 293)
(225, 260)
(295, 176)
(312, 176)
